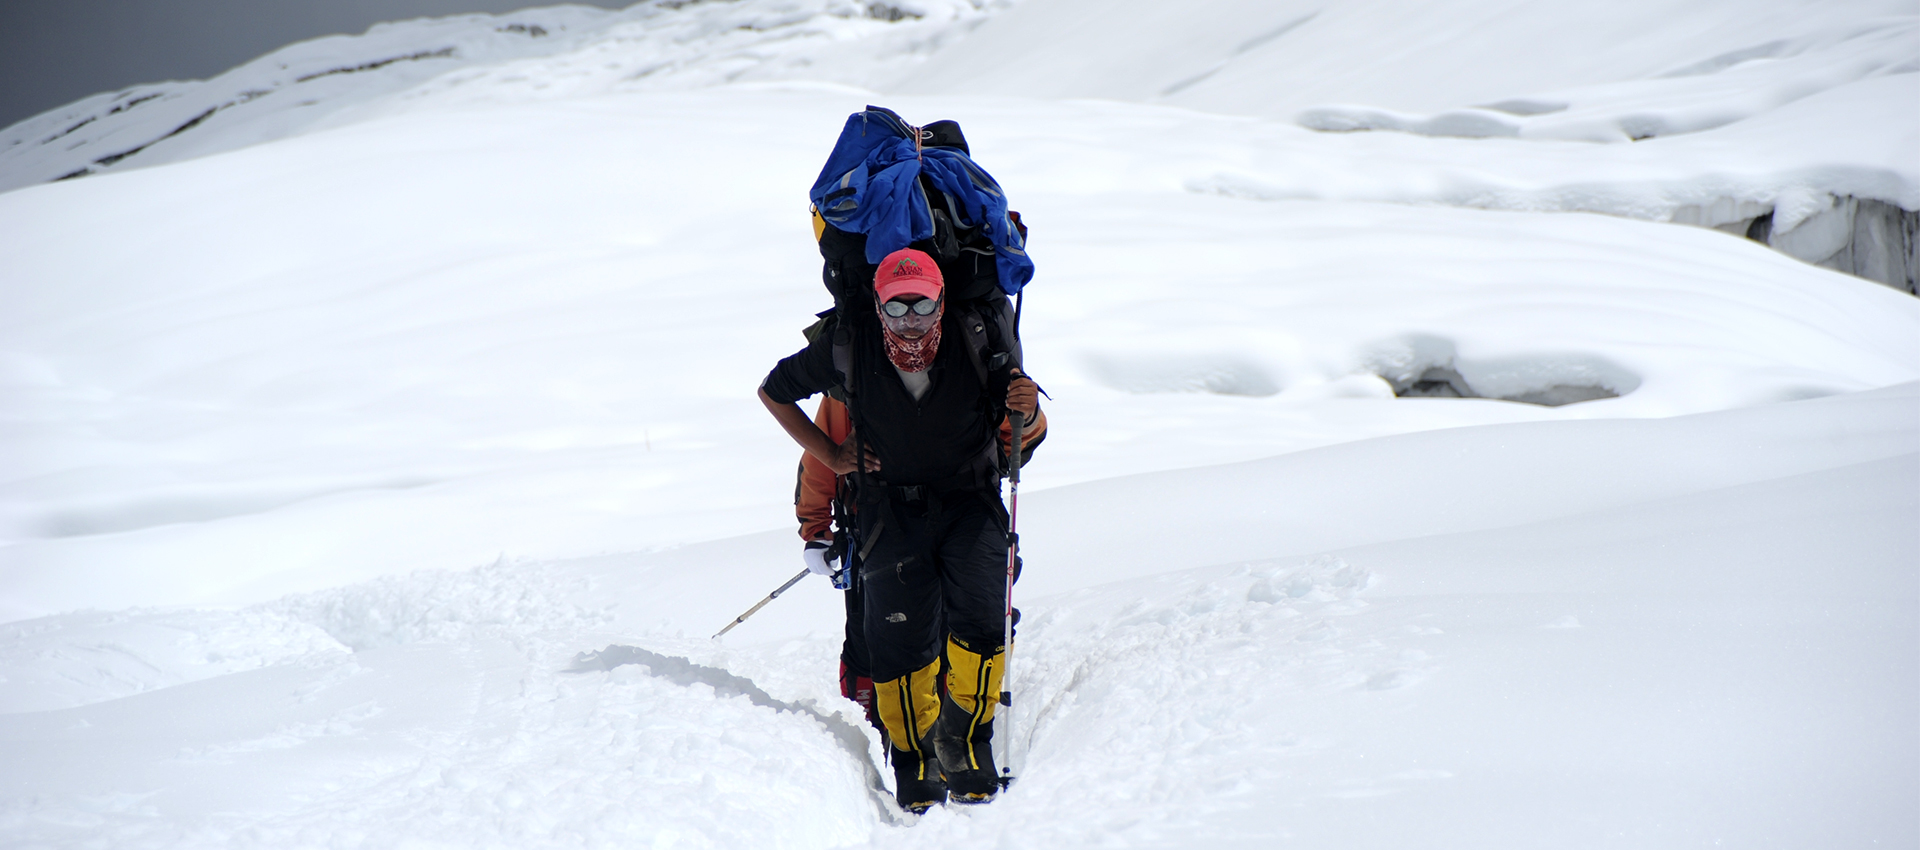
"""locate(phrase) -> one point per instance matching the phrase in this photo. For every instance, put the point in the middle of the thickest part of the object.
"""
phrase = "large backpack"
(889, 185)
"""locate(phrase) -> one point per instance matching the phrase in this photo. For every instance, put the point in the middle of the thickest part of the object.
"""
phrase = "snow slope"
(382, 484)
(484, 372)
(1535, 62)
(1594, 671)
(1755, 117)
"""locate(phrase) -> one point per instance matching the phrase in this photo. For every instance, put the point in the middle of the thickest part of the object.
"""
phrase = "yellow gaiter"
(973, 683)
(908, 706)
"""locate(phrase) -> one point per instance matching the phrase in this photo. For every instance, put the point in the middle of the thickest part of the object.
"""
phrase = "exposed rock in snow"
(1880, 232)
(1860, 236)
(1447, 382)
(1428, 367)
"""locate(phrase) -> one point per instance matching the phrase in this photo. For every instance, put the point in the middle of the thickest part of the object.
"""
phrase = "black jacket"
(945, 436)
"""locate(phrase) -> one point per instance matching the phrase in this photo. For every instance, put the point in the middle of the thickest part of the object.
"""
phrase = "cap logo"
(906, 267)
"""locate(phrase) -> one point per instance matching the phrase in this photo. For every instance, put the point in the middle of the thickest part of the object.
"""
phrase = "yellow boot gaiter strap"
(908, 706)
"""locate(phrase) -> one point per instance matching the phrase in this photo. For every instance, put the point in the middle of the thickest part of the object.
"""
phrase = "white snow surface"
(380, 452)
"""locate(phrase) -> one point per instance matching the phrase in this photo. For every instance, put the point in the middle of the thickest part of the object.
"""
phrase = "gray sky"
(54, 52)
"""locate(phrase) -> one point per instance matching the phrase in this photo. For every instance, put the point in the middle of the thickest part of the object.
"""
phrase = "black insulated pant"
(939, 567)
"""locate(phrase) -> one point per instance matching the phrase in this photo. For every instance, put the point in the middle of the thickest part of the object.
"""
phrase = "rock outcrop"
(1859, 236)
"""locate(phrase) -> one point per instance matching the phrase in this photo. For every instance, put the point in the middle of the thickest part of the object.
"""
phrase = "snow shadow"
(725, 684)
(1422, 366)
(191, 505)
(1219, 373)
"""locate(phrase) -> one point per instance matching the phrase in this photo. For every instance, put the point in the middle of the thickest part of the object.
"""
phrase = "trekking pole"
(1004, 740)
(763, 603)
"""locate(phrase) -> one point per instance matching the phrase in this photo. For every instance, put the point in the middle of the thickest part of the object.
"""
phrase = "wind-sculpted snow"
(1700, 96)
(1551, 71)
(1773, 105)
(500, 602)
(88, 657)
(1778, 164)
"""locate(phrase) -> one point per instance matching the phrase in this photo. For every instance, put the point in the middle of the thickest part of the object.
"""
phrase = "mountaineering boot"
(917, 783)
(963, 734)
(966, 759)
(908, 707)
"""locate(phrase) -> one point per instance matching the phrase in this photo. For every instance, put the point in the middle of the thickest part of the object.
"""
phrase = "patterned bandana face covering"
(911, 355)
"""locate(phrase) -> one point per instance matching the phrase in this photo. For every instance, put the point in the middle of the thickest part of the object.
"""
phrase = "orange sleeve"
(813, 497)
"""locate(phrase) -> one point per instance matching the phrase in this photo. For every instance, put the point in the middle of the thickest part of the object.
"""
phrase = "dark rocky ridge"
(54, 52)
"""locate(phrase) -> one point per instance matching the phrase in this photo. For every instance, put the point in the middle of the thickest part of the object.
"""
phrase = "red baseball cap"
(907, 272)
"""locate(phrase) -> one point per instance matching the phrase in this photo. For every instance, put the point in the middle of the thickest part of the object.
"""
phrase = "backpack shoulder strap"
(840, 343)
(842, 362)
(992, 343)
(993, 352)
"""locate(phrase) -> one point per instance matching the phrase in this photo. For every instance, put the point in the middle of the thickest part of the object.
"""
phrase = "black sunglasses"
(922, 307)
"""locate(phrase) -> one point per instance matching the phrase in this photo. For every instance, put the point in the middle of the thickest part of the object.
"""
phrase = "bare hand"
(845, 455)
(1023, 396)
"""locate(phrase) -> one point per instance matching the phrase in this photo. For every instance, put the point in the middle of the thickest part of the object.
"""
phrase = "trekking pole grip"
(1019, 421)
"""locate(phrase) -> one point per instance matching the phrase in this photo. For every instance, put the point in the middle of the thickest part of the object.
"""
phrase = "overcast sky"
(54, 52)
